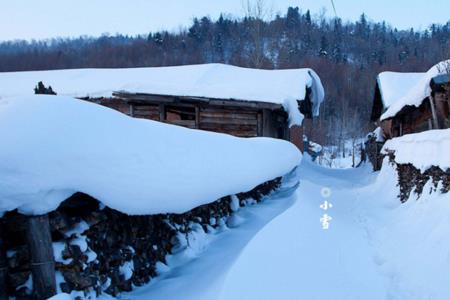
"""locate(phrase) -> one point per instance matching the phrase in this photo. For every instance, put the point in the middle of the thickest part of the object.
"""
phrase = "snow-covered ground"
(339, 234)
(199, 272)
(375, 247)
(344, 157)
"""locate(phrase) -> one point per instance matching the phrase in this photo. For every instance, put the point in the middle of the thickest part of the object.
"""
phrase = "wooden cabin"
(239, 118)
(215, 97)
(407, 103)
(407, 115)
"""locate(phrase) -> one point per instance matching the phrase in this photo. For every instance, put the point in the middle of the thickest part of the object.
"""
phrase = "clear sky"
(30, 19)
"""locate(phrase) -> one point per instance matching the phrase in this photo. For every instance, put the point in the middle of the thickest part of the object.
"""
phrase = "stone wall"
(98, 249)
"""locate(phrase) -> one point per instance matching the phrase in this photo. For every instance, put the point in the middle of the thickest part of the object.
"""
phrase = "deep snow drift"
(423, 150)
(219, 81)
(375, 248)
(55, 146)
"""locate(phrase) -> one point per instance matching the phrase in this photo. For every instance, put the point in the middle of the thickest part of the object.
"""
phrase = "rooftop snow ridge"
(394, 85)
(416, 94)
(218, 81)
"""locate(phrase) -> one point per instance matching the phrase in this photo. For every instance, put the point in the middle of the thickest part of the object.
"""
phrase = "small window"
(180, 113)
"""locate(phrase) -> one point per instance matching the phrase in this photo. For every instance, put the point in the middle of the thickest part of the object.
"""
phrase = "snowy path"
(201, 276)
(376, 248)
(294, 258)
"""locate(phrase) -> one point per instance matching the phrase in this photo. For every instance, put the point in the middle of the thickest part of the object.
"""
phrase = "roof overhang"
(160, 98)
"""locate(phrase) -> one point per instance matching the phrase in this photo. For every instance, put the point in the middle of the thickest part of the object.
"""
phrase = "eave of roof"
(161, 98)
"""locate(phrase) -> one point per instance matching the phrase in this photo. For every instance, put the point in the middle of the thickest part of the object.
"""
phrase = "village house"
(90, 243)
(215, 97)
(407, 103)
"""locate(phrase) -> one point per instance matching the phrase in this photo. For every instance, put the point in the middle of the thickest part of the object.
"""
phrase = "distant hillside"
(347, 56)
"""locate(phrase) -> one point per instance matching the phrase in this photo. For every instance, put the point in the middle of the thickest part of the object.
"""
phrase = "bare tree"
(256, 12)
(444, 67)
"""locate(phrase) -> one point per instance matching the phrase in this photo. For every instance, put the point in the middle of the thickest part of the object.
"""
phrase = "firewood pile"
(98, 249)
(411, 179)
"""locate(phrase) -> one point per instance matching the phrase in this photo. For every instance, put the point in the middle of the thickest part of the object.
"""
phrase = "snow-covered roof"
(208, 80)
(54, 146)
(415, 95)
(423, 150)
(394, 85)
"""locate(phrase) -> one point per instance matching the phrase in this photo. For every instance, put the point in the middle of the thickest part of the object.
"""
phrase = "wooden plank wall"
(150, 112)
(238, 122)
(116, 104)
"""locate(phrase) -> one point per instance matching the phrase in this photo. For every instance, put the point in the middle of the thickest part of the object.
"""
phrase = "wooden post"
(197, 117)
(162, 113)
(433, 112)
(259, 128)
(441, 105)
(42, 259)
(3, 266)
(131, 110)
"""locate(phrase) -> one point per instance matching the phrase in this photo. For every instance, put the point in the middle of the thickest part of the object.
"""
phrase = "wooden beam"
(3, 265)
(162, 113)
(230, 115)
(42, 260)
(144, 97)
(131, 110)
(158, 98)
(260, 124)
(197, 117)
(433, 112)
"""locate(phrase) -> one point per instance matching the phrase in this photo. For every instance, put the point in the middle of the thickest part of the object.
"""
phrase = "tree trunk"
(353, 152)
(3, 266)
(42, 260)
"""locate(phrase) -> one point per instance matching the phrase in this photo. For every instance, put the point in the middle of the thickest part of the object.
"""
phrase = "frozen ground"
(375, 247)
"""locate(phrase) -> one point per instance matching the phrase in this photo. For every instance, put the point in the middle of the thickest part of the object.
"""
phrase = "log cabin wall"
(413, 119)
(237, 121)
(410, 120)
(442, 102)
(234, 121)
(116, 104)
